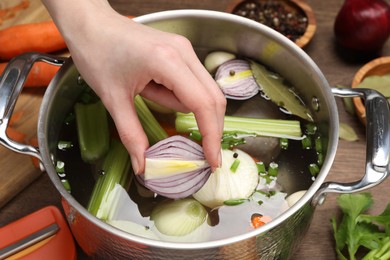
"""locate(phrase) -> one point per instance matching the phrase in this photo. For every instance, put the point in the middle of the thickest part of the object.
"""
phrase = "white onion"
(223, 184)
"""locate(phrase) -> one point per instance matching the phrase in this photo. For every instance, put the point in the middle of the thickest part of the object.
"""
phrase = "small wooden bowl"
(379, 67)
(298, 6)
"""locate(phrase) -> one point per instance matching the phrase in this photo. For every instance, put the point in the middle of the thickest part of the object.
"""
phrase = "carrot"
(31, 37)
(259, 220)
(16, 116)
(21, 38)
(15, 135)
(40, 75)
(34, 142)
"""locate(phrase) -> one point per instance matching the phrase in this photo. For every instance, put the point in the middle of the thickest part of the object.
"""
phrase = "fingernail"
(135, 165)
(213, 168)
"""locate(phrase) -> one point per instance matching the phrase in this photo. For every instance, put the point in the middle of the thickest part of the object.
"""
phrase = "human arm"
(120, 58)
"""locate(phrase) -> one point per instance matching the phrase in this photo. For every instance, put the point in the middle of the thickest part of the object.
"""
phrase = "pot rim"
(172, 14)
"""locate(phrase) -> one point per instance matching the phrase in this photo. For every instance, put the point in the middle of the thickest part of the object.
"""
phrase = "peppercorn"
(274, 14)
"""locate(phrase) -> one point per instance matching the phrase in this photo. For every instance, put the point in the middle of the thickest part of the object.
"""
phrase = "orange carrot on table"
(40, 75)
(15, 135)
(31, 37)
(40, 37)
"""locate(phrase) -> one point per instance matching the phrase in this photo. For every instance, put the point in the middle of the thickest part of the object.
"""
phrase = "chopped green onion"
(318, 144)
(235, 165)
(283, 143)
(311, 129)
(306, 142)
(234, 202)
(320, 158)
(115, 170)
(152, 128)
(66, 185)
(92, 130)
(60, 167)
(246, 126)
(273, 169)
(64, 145)
(195, 135)
(314, 169)
(230, 140)
(261, 168)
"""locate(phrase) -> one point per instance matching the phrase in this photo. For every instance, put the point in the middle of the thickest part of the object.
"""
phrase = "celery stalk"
(246, 126)
(115, 170)
(92, 130)
(152, 128)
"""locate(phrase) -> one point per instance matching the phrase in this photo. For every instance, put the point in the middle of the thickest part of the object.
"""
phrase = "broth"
(223, 222)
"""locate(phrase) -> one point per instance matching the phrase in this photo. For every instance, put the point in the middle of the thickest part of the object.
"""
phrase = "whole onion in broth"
(363, 25)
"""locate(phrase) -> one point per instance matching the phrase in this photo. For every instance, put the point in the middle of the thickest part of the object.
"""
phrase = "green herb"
(273, 169)
(314, 169)
(64, 145)
(235, 165)
(260, 168)
(66, 185)
(244, 126)
(60, 167)
(361, 233)
(195, 135)
(234, 202)
(310, 128)
(378, 83)
(283, 142)
(274, 87)
(306, 142)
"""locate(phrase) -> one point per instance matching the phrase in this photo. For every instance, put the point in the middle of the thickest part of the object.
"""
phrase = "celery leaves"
(360, 231)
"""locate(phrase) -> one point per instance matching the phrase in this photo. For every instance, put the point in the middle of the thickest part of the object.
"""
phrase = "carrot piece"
(259, 220)
(21, 38)
(31, 37)
(34, 142)
(16, 116)
(15, 135)
(40, 75)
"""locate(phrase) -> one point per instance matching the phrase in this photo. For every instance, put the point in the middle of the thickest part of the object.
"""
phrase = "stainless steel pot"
(208, 31)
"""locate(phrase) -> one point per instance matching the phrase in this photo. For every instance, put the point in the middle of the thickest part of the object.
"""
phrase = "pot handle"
(377, 147)
(11, 84)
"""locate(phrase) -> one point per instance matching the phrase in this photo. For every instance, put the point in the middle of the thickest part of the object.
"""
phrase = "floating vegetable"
(225, 185)
(274, 87)
(175, 168)
(178, 217)
(293, 198)
(347, 133)
(214, 59)
(235, 78)
(363, 25)
(246, 126)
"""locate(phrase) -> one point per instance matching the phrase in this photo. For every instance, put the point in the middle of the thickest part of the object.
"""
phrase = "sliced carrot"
(40, 75)
(15, 135)
(259, 220)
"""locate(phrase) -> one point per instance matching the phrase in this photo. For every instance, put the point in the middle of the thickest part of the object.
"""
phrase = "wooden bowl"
(379, 67)
(297, 6)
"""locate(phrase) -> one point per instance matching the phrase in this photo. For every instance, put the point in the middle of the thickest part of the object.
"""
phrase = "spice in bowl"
(293, 19)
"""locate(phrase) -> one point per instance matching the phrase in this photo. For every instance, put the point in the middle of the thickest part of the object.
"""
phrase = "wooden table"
(350, 158)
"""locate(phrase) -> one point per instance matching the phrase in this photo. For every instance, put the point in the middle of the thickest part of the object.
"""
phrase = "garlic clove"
(215, 59)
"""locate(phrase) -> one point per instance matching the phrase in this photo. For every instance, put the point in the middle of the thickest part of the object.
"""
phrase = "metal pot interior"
(208, 31)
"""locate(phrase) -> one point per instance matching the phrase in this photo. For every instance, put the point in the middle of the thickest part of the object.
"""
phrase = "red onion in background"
(363, 25)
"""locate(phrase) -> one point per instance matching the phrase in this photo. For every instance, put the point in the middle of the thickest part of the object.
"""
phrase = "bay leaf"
(378, 83)
(347, 133)
(274, 87)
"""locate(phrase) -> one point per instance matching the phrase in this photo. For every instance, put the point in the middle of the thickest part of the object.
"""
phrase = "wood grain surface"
(338, 66)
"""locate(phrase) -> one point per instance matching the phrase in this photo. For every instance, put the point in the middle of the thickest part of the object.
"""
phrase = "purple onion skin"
(363, 25)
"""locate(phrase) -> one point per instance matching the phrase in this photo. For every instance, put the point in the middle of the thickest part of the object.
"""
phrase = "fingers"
(132, 135)
(195, 88)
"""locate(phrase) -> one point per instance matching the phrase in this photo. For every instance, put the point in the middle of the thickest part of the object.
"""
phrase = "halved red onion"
(235, 78)
(179, 185)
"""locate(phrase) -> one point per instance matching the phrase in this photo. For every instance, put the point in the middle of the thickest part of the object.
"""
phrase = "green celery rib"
(116, 169)
(152, 128)
(290, 129)
(92, 130)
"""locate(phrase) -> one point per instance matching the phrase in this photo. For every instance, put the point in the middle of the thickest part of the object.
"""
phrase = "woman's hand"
(120, 58)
